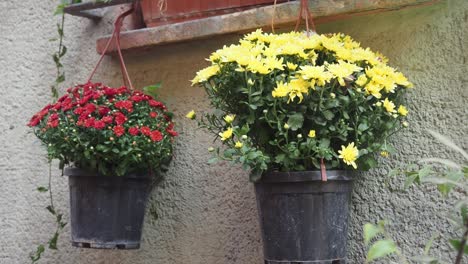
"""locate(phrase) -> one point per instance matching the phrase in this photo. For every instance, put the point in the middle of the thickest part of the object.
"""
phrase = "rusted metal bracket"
(93, 9)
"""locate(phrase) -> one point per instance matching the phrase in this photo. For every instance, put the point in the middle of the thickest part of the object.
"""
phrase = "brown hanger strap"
(116, 35)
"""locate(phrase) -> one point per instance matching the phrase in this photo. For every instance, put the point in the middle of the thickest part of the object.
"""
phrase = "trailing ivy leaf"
(51, 209)
(42, 189)
(53, 241)
(37, 255)
(381, 249)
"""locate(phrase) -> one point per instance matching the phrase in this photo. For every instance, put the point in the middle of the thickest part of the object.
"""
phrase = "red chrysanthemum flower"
(84, 100)
(137, 98)
(156, 135)
(99, 124)
(153, 114)
(107, 119)
(90, 108)
(134, 131)
(156, 104)
(125, 104)
(89, 122)
(120, 118)
(53, 123)
(145, 130)
(119, 130)
(172, 132)
(103, 110)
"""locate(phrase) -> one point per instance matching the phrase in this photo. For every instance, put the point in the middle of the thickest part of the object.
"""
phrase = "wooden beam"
(286, 13)
(92, 10)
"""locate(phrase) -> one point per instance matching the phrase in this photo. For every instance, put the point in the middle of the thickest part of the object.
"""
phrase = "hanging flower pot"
(303, 218)
(302, 111)
(162, 12)
(115, 142)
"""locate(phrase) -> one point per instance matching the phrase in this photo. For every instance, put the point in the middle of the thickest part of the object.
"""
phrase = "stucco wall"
(207, 214)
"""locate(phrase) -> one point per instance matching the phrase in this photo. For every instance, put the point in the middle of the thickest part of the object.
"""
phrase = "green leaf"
(445, 162)
(328, 114)
(37, 255)
(53, 241)
(212, 160)
(50, 209)
(381, 249)
(363, 127)
(456, 244)
(152, 89)
(63, 51)
(370, 231)
(295, 121)
(255, 175)
(428, 245)
(424, 259)
(449, 143)
(409, 180)
(42, 189)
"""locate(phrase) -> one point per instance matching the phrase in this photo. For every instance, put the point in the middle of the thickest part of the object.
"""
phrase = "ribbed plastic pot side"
(302, 218)
(107, 211)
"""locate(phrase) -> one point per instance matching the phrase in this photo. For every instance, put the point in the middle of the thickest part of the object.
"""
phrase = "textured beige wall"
(207, 214)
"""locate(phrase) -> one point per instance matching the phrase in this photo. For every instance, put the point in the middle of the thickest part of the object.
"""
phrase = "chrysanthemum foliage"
(294, 100)
(113, 131)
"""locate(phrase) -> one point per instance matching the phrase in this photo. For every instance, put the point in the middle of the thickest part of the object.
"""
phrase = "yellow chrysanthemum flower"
(226, 134)
(361, 80)
(274, 63)
(349, 154)
(374, 89)
(402, 110)
(281, 90)
(291, 66)
(342, 70)
(297, 88)
(311, 134)
(191, 115)
(238, 144)
(317, 74)
(389, 105)
(229, 118)
(256, 65)
(205, 74)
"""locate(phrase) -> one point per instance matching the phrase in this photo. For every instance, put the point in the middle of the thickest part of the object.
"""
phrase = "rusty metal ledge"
(286, 13)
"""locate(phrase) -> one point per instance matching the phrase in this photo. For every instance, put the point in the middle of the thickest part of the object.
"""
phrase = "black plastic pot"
(304, 220)
(107, 211)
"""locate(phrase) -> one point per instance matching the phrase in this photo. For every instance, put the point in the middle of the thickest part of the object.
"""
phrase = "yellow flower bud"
(286, 126)
(229, 118)
(191, 115)
(384, 154)
(311, 134)
(239, 144)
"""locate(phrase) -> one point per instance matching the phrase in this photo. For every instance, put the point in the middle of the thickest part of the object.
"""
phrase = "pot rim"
(306, 176)
(78, 172)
